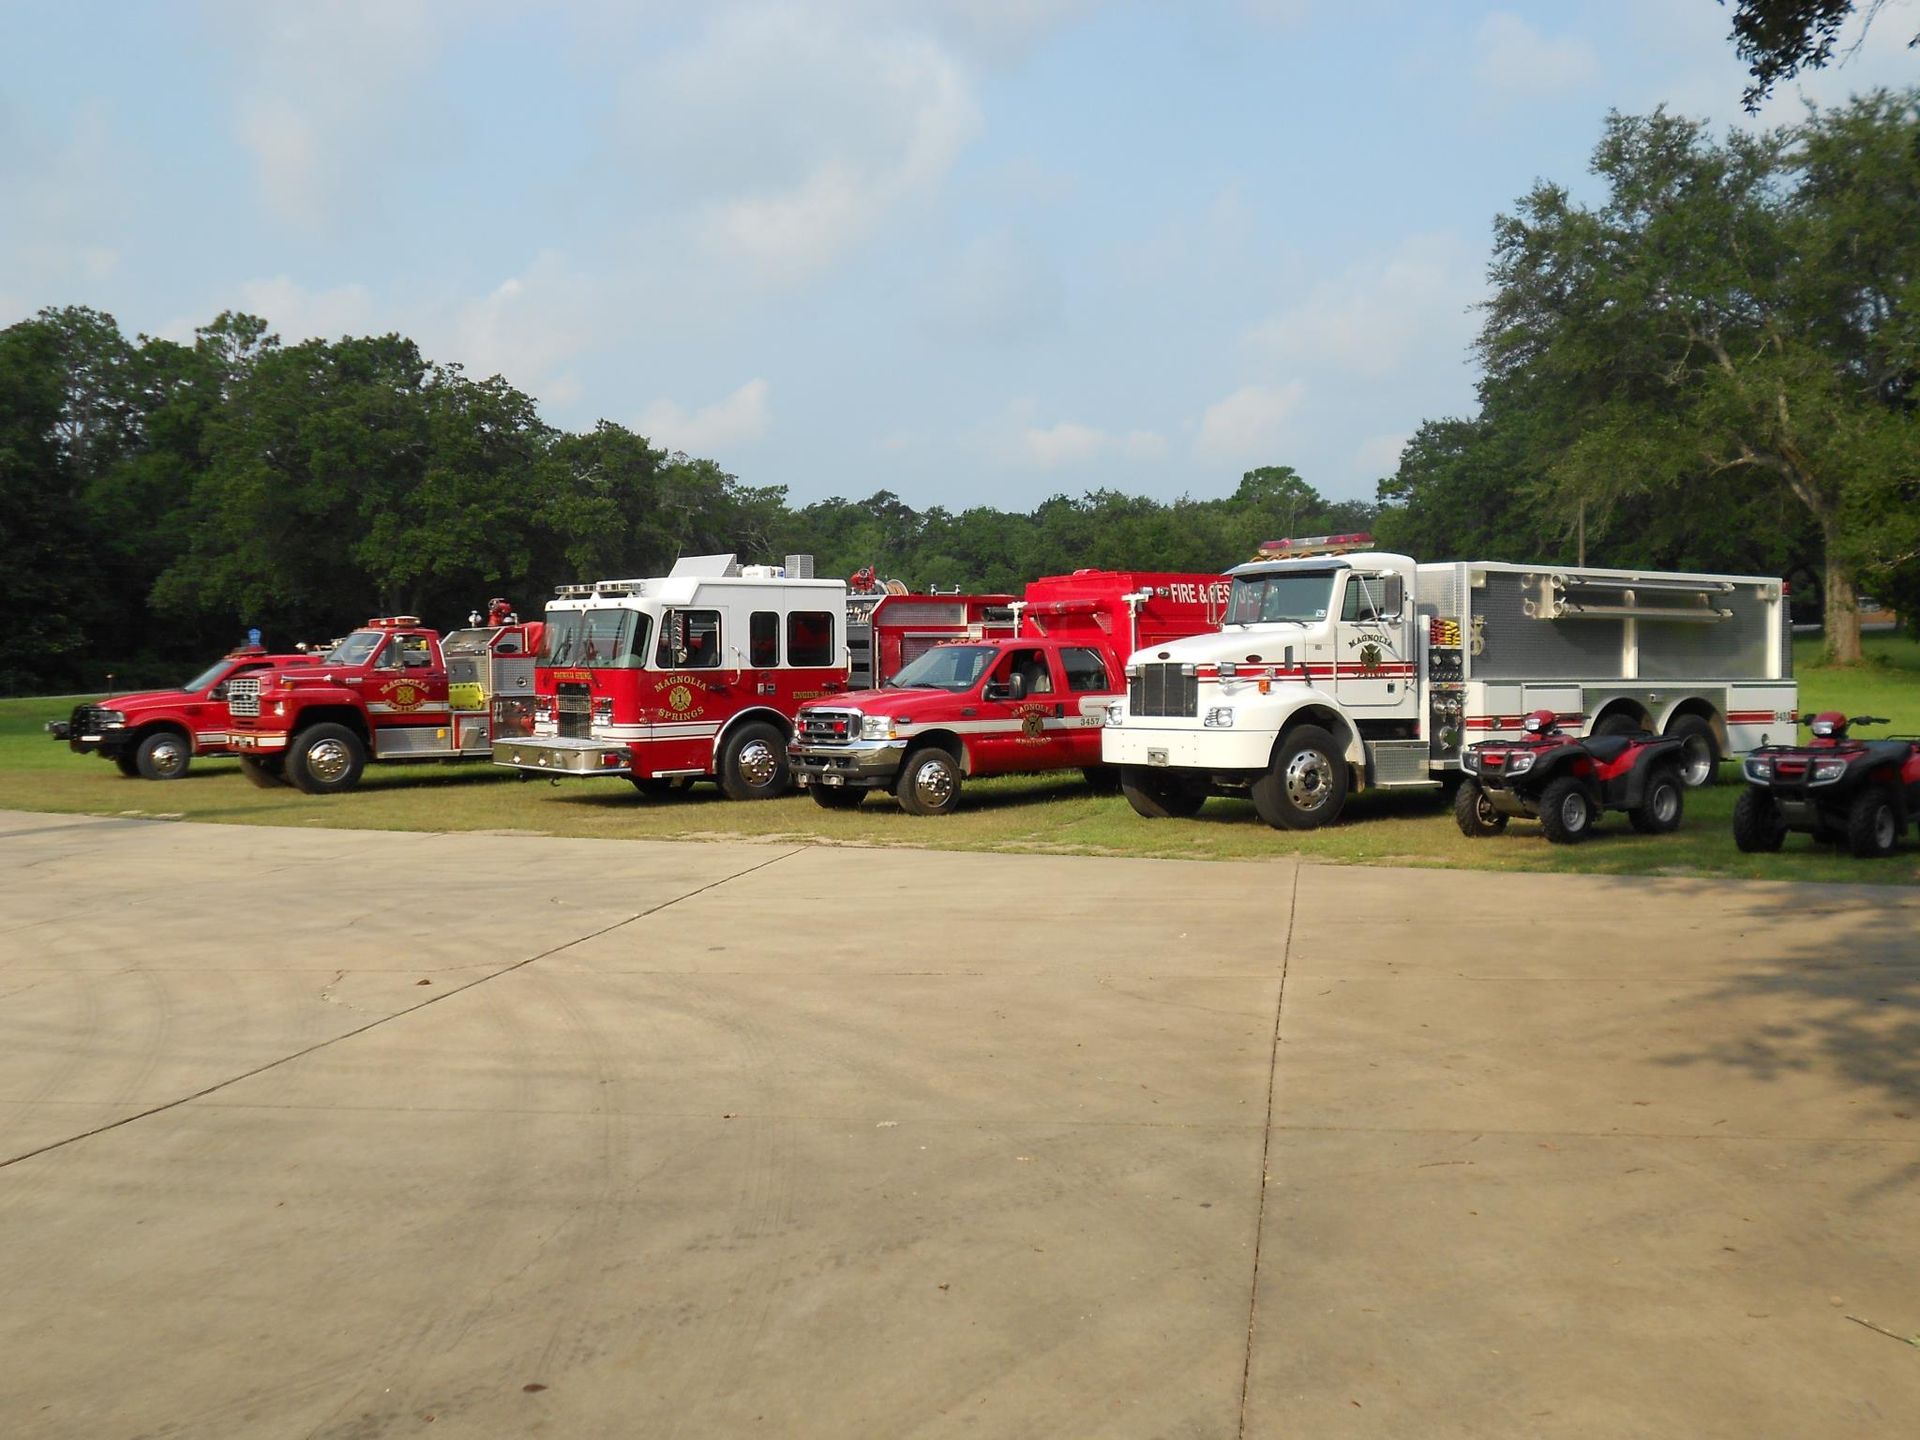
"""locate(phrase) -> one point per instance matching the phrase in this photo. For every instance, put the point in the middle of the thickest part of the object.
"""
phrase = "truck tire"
(1474, 813)
(1566, 810)
(929, 783)
(836, 797)
(262, 772)
(658, 787)
(127, 765)
(1156, 796)
(1700, 764)
(1101, 779)
(1757, 826)
(326, 759)
(1660, 809)
(1872, 823)
(163, 755)
(1306, 785)
(754, 764)
(1618, 723)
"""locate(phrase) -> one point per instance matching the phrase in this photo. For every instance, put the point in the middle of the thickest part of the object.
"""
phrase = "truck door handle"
(1059, 711)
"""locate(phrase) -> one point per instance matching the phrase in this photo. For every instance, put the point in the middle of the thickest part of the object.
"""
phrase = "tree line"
(1711, 366)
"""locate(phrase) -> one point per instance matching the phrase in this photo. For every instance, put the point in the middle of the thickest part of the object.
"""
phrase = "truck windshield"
(207, 676)
(356, 649)
(946, 667)
(608, 639)
(1264, 599)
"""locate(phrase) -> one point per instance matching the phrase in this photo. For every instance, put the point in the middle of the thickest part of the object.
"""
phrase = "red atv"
(1835, 788)
(1566, 782)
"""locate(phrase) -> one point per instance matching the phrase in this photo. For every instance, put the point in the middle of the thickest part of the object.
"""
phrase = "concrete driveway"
(350, 1134)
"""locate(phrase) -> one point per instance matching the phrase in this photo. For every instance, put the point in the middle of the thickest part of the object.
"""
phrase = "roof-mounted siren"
(1303, 546)
(1560, 595)
(704, 567)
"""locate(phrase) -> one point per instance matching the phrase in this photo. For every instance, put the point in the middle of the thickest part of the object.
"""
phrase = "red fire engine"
(697, 674)
(1034, 699)
(390, 691)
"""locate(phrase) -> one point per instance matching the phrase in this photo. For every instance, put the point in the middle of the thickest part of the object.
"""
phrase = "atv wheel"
(128, 766)
(929, 783)
(263, 774)
(1306, 785)
(1566, 811)
(1700, 762)
(1157, 797)
(754, 765)
(1872, 824)
(1757, 826)
(836, 797)
(1474, 813)
(163, 755)
(326, 760)
(1659, 810)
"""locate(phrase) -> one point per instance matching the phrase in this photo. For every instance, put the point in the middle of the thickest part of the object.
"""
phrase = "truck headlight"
(1116, 712)
(1519, 762)
(1470, 762)
(1825, 772)
(876, 727)
(280, 707)
(111, 719)
(1220, 717)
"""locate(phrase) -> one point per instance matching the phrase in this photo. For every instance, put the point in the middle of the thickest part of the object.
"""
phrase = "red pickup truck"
(155, 734)
(1035, 700)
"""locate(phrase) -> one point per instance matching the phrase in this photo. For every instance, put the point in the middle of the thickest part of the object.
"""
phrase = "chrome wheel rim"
(1665, 803)
(758, 763)
(1308, 780)
(932, 784)
(168, 757)
(328, 760)
(1699, 762)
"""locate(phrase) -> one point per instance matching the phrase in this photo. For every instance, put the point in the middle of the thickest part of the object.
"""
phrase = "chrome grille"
(573, 712)
(828, 727)
(243, 696)
(1163, 690)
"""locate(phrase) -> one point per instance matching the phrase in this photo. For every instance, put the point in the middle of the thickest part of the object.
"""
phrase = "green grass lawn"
(1039, 813)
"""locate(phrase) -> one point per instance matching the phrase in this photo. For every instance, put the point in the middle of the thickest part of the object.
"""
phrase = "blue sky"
(973, 251)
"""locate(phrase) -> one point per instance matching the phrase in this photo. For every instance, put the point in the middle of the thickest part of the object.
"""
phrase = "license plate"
(1156, 757)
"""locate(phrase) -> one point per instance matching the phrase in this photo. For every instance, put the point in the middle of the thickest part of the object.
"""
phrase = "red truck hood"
(889, 702)
(148, 700)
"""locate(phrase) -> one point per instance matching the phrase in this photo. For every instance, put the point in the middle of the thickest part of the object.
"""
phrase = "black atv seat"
(1606, 748)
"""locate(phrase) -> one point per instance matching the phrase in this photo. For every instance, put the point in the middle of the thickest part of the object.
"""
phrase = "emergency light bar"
(1314, 545)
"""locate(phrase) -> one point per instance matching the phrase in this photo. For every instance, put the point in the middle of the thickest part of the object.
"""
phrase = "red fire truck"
(392, 690)
(155, 734)
(1032, 700)
(697, 674)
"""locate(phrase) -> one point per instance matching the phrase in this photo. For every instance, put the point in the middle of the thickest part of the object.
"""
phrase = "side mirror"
(219, 692)
(1395, 600)
(1013, 688)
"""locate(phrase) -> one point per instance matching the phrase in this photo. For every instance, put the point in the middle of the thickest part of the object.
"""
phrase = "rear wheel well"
(1707, 711)
(1614, 710)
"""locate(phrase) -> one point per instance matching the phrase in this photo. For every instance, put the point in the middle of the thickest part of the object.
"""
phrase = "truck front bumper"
(861, 765)
(564, 757)
(257, 742)
(1215, 751)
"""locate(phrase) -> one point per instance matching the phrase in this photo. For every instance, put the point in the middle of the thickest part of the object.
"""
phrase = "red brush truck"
(1032, 700)
(155, 734)
(665, 680)
(392, 690)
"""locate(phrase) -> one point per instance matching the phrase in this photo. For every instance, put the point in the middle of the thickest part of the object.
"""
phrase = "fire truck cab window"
(810, 637)
(389, 658)
(1366, 598)
(612, 639)
(1085, 669)
(1031, 666)
(945, 667)
(355, 649)
(416, 651)
(763, 639)
(1265, 599)
(689, 640)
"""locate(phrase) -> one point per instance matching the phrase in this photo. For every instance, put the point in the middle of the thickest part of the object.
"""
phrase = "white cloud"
(1382, 316)
(1069, 443)
(793, 135)
(528, 326)
(1379, 454)
(1517, 60)
(298, 314)
(738, 419)
(1250, 422)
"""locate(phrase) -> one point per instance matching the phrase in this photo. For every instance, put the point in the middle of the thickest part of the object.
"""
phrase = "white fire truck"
(666, 680)
(1340, 668)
